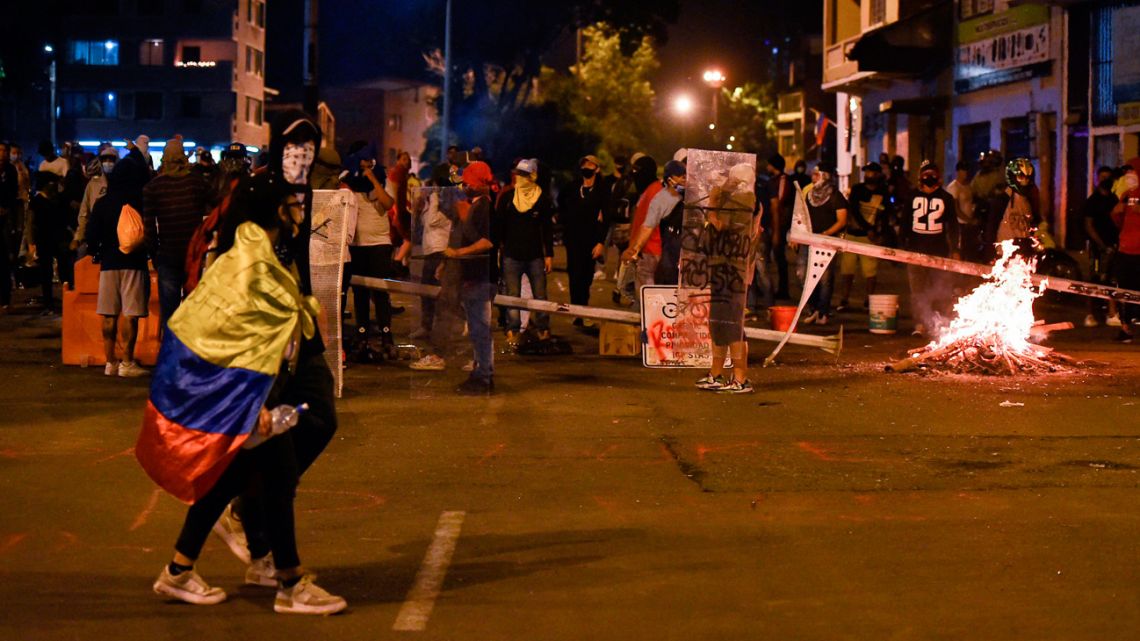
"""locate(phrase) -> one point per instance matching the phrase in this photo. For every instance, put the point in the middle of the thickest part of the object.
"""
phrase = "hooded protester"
(96, 187)
(327, 170)
(580, 207)
(827, 209)
(644, 253)
(124, 279)
(524, 228)
(174, 204)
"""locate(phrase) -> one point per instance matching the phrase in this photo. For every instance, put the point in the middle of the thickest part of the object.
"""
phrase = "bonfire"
(992, 327)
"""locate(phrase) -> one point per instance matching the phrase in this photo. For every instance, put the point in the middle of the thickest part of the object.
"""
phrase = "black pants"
(268, 472)
(46, 254)
(1127, 268)
(312, 383)
(580, 272)
(427, 277)
(374, 261)
(780, 256)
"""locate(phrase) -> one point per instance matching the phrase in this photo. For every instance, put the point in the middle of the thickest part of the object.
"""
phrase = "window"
(1106, 151)
(253, 111)
(88, 104)
(93, 52)
(1015, 137)
(254, 61)
(260, 22)
(255, 13)
(148, 105)
(878, 12)
(973, 140)
(972, 8)
(249, 10)
(191, 54)
(151, 52)
(191, 106)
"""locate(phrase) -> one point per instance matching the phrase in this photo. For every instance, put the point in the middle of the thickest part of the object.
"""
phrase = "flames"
(992, 327)
(998, 313)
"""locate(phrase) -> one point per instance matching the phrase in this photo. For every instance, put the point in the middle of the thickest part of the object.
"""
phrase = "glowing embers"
(991, 330)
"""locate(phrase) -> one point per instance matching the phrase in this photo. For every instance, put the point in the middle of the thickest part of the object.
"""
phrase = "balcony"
(837, 67)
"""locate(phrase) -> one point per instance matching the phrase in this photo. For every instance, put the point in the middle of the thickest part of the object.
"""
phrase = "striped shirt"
(173, 207)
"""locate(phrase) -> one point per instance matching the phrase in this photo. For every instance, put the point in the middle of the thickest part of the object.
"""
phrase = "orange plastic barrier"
(83, 328)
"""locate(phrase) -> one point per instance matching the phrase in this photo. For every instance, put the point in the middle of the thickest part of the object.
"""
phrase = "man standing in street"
(781, 196)
(469, 249)
(930, 227)
(868, 202)
(9, 201)
(970, 231)
(644, 249)
(580, 212)
(173, 206)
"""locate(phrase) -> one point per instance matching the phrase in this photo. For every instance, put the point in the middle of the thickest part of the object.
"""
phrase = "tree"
(748, 113)
(608, 95)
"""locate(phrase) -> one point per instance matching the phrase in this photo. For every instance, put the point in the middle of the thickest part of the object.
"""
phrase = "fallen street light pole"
(830, 344)
(1063, 285)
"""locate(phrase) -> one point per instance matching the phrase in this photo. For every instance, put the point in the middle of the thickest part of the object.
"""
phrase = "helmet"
(990, 159)
(1019, 168)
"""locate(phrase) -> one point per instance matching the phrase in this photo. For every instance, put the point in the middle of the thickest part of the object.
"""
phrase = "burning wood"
(991, 331)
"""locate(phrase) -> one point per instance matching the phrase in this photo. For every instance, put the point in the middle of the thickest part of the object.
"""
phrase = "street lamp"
(715, 79)
(49, 51)
(683, 105)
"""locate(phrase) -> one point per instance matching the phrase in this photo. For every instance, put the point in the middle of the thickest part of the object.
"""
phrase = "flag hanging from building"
(822, 122)
(220, 355)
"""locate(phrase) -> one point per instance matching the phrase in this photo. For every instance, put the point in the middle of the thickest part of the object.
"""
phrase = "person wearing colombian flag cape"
(232, 352)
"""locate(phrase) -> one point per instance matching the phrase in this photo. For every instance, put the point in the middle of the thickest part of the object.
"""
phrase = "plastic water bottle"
(284, 418)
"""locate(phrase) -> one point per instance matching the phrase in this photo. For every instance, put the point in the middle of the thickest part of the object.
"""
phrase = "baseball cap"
(527, 166)
(589, 158)
(478, 174)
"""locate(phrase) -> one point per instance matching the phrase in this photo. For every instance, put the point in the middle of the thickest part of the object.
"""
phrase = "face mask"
(107, 167)
(296, 161)
(587, 172)
(680, 189)
(929, 181)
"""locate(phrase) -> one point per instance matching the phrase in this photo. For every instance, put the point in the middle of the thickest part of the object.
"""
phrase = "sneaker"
(843, 305)
(111, 369)
(589, 324)
(512, 339)
(262, 572)
(429, 363)
(307, 597)
(420, 333)
(1123, 337)
(475, 387)
(1091, 321)
(469, 366)
(599, 275)
(822, 320)
(188, 587)
(230, 531)
(710, 382)
(131, 369)
(1113, 321)
(737, 387)
(810, 318)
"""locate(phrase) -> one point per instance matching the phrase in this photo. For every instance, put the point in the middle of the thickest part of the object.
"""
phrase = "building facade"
(160, 68)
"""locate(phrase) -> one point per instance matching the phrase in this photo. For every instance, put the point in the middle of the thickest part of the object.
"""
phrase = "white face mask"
(296, 161)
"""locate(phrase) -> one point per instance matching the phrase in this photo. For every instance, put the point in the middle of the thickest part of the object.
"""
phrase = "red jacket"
(1127, 219)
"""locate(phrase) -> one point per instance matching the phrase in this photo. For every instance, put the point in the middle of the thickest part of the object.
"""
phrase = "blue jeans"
(170, 281)
(476, 299)
(535, 270)
(820, 299)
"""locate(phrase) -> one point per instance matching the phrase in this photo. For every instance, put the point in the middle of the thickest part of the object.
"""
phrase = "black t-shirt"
(1098, 208)
(930, 223)
(476, 268)
(824, 216)
(868, 208)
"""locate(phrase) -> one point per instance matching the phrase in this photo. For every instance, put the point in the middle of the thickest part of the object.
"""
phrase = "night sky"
(388, 38)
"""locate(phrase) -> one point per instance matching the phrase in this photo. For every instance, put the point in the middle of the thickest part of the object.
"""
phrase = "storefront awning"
(917, 44)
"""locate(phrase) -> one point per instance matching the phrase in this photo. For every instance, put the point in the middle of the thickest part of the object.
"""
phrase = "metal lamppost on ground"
(715, 79)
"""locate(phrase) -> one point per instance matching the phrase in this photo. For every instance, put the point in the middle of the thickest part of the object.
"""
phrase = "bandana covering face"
(821, 190)
(526, 193)
(296, 161)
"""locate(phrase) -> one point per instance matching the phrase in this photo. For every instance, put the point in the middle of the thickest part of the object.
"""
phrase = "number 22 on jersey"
(927, 215)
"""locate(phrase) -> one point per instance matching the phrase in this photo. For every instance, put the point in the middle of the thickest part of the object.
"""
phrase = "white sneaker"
(810, 318)
(469, 367)
(262, 572)
(1091, 321)
(111, 369)
(1113, 321)
(230, 531)
(307, 597)
(131, 369)
(431, 363)
(188, 587)
(599, 275)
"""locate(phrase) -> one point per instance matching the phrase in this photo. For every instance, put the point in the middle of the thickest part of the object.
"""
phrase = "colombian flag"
(219, 358)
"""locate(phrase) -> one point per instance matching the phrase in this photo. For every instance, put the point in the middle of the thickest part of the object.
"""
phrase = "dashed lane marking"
(414, 614)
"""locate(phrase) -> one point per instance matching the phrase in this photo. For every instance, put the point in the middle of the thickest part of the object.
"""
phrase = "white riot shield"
(333, 210)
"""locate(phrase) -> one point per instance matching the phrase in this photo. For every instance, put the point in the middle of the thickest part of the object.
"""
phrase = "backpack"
(129, 229)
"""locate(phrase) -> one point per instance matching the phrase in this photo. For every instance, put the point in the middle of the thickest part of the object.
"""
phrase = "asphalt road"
(591, 498)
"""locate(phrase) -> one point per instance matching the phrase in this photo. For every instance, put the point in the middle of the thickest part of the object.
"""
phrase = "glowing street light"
(683, 105)
(714, 78)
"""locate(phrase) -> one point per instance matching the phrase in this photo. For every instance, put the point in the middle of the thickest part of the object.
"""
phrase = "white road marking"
(414, 614)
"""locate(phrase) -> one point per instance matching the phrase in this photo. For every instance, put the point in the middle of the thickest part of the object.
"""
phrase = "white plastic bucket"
(884, 313)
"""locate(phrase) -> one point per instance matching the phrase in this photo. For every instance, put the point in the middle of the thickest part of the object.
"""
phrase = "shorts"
(726, 320)
(869, 266)
(123, 291)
